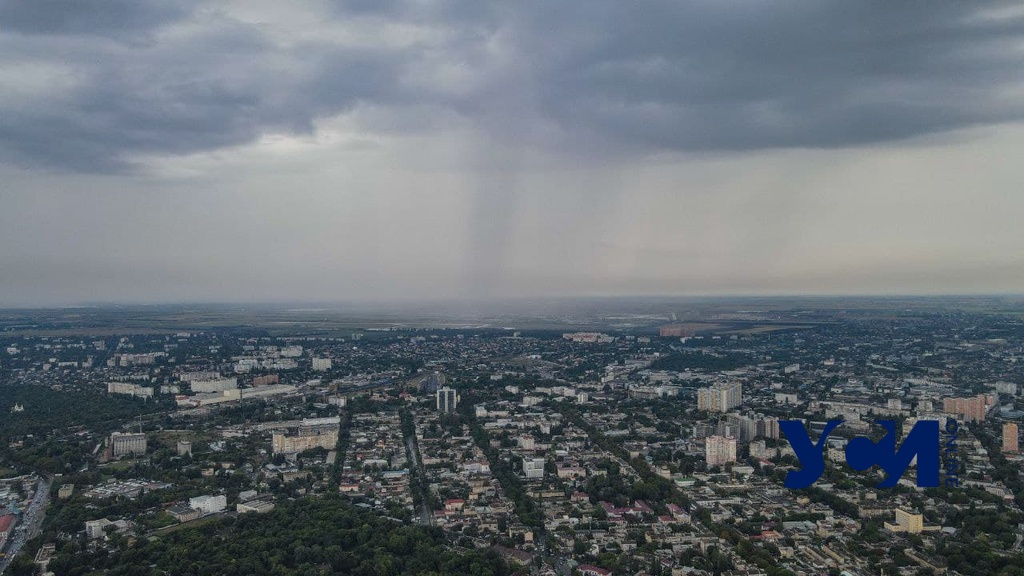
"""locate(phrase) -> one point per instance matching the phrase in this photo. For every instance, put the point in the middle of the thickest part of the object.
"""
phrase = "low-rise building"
(183, 512)
(209, 504)
(906, 521)
(258, 506)
(94, 528)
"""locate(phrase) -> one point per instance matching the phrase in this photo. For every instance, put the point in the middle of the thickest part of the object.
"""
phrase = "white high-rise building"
(719, 450)
(721, 397)
(447, 399)
(322, 364)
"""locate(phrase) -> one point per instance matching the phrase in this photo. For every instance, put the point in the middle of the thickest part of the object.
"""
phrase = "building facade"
(128, 443)
(184, 448)
(969, 409)
(719, 450)
(721, 397)
(1010, 436)
(129, 389)
(447, 400)
(217, 385)
(94, 528)
(533, 467)
(907, 522)
(266, 380)
(306, 437)
(208, 504)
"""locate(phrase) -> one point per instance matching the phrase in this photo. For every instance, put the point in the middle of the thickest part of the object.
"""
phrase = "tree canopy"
(308, 536)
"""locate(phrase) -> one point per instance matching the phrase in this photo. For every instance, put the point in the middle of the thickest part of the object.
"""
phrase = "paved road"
(30, 524)
(414, 455)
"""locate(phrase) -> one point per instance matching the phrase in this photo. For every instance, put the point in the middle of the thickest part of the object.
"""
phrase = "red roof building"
(6, 523)
(591, 570)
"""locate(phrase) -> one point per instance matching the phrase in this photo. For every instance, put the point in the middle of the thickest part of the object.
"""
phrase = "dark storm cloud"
(117, 18)
(747, 75)
(622, 77)
(224, 84)
(668, 75)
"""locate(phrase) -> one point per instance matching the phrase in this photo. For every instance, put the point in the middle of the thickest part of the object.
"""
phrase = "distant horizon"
(323, 305)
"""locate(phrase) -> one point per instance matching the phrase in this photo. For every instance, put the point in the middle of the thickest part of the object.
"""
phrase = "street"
(29, 524)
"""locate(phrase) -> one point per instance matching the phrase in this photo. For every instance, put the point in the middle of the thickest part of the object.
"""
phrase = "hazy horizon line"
(510, 299)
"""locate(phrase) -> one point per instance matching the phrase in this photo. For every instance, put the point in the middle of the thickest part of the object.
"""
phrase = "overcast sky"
(156, 150)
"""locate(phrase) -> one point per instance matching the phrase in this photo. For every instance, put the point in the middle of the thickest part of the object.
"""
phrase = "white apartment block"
(447, 399)
(533, 467)
(130, 389)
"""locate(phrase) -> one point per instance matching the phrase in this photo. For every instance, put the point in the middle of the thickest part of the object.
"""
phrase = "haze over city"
(266, 151)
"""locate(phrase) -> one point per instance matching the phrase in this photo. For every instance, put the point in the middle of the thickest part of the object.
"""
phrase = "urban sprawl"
(651, 450)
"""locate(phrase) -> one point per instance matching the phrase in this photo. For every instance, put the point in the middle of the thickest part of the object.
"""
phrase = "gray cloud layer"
(266, 150)
(113, 81)
(102, 18)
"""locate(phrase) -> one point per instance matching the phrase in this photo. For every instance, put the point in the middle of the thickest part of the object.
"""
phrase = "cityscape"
(646, 446)
(511, 288)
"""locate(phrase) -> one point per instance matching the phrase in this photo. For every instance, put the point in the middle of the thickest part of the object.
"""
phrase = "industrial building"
(215, 385)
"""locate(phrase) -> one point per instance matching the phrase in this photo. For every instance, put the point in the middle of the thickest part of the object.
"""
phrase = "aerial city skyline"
(513, 288)
(710, 438)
